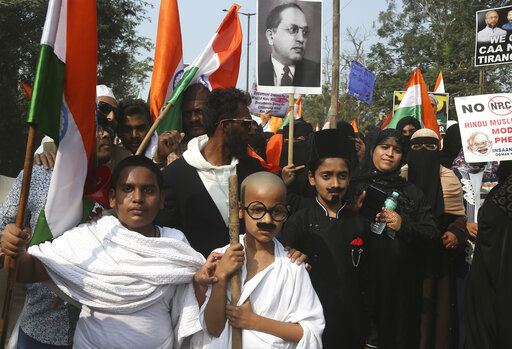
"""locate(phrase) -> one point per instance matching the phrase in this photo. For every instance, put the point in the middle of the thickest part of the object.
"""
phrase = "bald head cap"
(262, 179)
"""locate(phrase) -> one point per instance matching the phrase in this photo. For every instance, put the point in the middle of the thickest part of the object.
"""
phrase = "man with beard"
(333, 242)
(490, 30)
(196, 185)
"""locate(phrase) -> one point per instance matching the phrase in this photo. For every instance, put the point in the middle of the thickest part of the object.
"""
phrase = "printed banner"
(485, 124)
(261, 102)
(361, 82)
(493, 44)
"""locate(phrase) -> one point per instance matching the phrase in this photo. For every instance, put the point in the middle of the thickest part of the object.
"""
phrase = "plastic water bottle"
(390, 203)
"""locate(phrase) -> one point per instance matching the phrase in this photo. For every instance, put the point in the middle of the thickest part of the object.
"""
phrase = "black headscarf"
(408, 120)
(424, 170)
(452, 145)
(347, 134)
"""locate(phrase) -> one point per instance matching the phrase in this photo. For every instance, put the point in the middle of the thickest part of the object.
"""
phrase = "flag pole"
(291, 122)
(11, 265)
(234, 230)
(335, 61)
(157, 122)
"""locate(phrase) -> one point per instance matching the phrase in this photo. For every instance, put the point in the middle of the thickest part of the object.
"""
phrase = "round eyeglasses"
(256, 210)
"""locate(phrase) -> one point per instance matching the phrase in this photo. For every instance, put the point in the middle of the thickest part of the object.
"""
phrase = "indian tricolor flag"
(415, 103)
(297, 113)
(168, 63)
(63, 105)
(218, 64)
(439, 88)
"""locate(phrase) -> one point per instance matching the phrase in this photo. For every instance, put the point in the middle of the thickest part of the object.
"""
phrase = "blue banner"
(360, 82)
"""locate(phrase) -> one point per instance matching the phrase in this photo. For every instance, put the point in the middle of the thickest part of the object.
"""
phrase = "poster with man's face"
(289, 46)
(493, 44)
(440, 106)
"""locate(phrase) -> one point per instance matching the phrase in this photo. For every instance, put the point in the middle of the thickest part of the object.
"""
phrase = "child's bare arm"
(14, 242)
(214, 314)
(244, 317)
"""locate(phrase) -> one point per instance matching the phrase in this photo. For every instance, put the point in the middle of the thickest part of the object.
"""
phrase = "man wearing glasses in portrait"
(287, 33)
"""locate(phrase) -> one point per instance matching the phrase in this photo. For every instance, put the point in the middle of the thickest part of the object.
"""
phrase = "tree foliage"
(119, 65)
(434, 35)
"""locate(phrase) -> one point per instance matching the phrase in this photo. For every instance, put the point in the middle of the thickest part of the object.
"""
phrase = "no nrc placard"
(485, 123)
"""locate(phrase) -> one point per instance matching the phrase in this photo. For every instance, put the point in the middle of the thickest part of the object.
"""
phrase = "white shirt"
(485, 34)
(278, 71)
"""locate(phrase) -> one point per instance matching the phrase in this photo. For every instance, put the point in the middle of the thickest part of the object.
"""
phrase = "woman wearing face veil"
(396, 260)
(443, 192)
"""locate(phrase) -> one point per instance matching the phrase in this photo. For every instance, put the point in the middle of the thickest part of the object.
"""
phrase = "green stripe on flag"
(42, 231)
(173, 119)
(47, 92)
(286, 120)
(400, 113)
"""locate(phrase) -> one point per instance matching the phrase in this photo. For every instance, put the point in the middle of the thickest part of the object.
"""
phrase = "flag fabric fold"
(168, 63)
(439, 88)
(63, 105)
(415, 103)
(216, 66)
(297, 113)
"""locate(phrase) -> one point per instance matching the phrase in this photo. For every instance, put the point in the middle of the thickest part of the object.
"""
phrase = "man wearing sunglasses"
(287, 33)
(196, 185)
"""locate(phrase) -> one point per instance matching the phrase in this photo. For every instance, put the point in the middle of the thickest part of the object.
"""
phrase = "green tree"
(21, 23)
(433, 35)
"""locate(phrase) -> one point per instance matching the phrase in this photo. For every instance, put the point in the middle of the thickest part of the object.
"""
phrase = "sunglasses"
(106, 108)
(245, 122)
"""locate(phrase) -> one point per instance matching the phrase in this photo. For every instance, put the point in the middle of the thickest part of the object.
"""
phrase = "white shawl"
(112, 269)
(283, 292)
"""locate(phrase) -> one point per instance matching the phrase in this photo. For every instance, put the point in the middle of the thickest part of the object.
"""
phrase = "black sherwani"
(189, 207)
(337, 270)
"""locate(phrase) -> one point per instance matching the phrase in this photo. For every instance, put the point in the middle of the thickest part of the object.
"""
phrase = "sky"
(200, 19)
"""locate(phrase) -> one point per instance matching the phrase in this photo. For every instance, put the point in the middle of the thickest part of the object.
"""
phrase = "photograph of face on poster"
(493, 39)
(289, 46)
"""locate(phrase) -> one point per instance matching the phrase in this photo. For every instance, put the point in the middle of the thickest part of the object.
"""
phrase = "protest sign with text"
(276, 103)
(485, 123)
(493, 44)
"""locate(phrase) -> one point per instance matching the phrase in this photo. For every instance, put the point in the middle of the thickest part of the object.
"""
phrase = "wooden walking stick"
(11, 265)
(291, 122)
(234, 229)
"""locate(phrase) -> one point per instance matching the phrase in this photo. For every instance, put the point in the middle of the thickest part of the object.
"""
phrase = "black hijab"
(452, 145)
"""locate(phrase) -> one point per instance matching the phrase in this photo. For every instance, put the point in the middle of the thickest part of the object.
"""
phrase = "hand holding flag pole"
(11, 266)
(291, 122)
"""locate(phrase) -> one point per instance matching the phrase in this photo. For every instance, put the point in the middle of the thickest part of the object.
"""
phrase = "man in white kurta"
(283, 292)
(135, 291)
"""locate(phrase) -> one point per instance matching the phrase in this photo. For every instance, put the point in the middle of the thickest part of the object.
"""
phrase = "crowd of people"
(387, 239)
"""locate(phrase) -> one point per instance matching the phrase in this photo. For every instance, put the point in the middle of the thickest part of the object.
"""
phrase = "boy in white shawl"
(278, 307)
(133, 279)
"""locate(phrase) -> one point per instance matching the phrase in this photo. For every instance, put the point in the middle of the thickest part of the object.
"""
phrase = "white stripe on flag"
(62, 209)
(412, 97)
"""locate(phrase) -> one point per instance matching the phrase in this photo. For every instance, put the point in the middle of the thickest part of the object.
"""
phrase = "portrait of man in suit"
(287, 32)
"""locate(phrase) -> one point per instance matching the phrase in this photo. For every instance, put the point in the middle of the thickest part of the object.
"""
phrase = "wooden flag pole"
(159, 119)
(291, 122)
(11, 265)
(335, 61)
(482, 80)
(234, 230)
